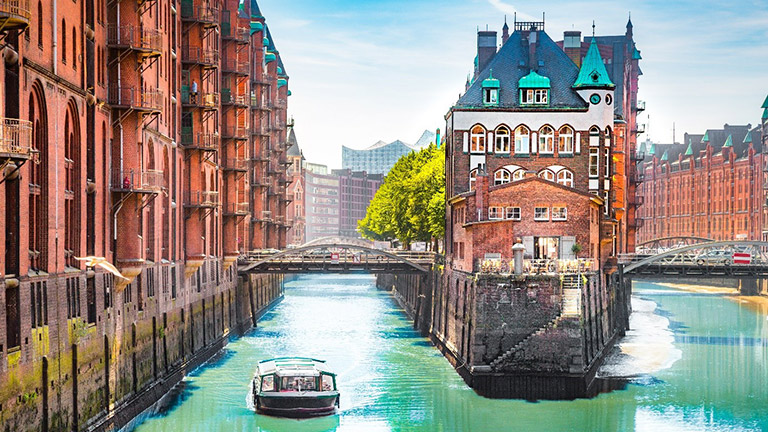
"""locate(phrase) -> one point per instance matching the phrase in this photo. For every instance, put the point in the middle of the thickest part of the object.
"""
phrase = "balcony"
(207, 57)
(637, 157)
(235, 66)
(640, 128)
(235, 132)
(135, 98)
(237, 209)
(208, 16)
(636, 178)
(636, 200)
(640, 106)
(227, 98)
(280, 103)
(265, 216)
(571, 267)
(259, 157)
(15, 139)
(148, 42)
(200, 141)
(15, 14)
(137, 181)
(637, 223)
(207, 101)
(202, 199)
(236, 164)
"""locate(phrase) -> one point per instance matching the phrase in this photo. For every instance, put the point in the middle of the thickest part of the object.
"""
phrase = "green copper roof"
(748, 138)
(270, 57)
(765, 114)
(665, 156)
(491, 82)
(636, 54)
(534, 80)
(652, 151)
(728, 141)
(642, 149)
(281, 82)
(765, 104)
(279, 70)
(705, 138)
(289, 92)
(256, 27)
(592, 72)
(265, 41)
(689, 152)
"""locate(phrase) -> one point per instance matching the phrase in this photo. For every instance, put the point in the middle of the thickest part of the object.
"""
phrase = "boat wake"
(648, 346)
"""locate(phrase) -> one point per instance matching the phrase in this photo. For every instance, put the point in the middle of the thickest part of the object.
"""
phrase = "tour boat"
(294, 387)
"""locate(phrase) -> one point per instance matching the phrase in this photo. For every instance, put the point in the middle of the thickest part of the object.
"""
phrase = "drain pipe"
(55, 37)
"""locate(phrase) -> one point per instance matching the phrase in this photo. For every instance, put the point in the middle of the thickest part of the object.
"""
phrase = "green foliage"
(576, 248)
(410, 205)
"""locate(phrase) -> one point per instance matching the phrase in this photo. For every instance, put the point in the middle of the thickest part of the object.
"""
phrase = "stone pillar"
(517, 251)
(749, 286)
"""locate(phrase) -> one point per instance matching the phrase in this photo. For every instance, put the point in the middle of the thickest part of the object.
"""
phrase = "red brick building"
(531, 111)
(296, 205)
(712, 185)
(146, 134)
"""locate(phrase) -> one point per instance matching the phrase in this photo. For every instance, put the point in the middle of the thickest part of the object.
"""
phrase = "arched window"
(74, 48)
(40, 24)
(472, 179)
(501, 176)
(565, 140)
(73, 191)
(522, 140)
(546, 140)
(608, 136)
(547, 175)
(565, 177)
(594, 136)
(477, 140)
(518, 175)
(63, 40)
(502, 140)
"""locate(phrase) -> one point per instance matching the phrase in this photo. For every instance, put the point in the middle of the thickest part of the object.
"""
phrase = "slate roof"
(293, 145)
(255, 11)
(511, 63)
(741, 136)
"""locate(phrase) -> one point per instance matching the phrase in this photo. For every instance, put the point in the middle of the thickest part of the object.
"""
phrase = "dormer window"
(534, 89)
(491, 90)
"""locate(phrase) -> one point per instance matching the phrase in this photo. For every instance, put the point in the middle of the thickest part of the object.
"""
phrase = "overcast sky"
(368, 70)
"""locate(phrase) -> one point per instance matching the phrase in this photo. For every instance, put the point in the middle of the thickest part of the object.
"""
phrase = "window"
(606, 162)
(547, 175)
(472, 179)
(522, 140)
(74, 48)
(518, 175)
(502, 140)
(541, 214)
(559, 213)
(40, 24)
(546, 140)
(513, 213)
(534, 96)
(565, 140)
(501, 176)
(594, 162)
(495, 213)
(478, 140)
(594, 136)
(490, 96)
(64, 41)
(565, 178)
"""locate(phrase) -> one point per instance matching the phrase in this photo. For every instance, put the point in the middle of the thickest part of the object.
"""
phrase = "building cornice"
(29, 64)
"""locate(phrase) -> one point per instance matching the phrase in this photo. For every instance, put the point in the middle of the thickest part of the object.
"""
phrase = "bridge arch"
(678, 256)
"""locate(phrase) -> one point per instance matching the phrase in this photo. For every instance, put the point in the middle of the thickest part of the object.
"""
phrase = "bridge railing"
(537, 266)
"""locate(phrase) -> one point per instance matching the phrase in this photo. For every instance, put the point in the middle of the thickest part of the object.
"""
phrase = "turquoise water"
(705, 358)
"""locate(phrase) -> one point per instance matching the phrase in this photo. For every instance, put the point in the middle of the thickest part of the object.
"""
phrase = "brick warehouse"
(152, 134)
(712, 185)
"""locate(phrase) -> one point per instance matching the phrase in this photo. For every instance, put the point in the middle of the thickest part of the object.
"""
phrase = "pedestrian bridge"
(336, 257)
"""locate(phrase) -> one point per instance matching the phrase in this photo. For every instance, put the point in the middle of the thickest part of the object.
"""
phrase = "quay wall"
(509, 337)
(97, 356)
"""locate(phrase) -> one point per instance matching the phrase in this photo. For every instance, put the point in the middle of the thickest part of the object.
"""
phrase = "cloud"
(503, 7)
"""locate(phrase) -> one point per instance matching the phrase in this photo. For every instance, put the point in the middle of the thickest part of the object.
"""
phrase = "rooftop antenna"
(515, 18)
(593, 28)
(674, 140)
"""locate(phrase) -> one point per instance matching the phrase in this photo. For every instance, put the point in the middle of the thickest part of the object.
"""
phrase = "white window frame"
(472, 179)
(495, 213)
(541, 96)
(501, 176)
(547, 174)
(509, 213)
(594, 136)
(546, 140)
(559, 213)
(565, 140)
(541, 218)
(565, 177)
(518, 175)
(594, 162)
(502, 140)
(522, 140)
(607, 163)
(491, 96)
(477, 140)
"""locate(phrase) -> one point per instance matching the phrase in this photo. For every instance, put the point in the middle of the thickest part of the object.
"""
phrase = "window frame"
(500, 181)
(522, 137)
(497, 211)
(477, 140)
(545, 138)
(563, 210)
(563, 138)
(512, 209)
(546, 172)
(564, 181)
(539, 218)
(502, 136)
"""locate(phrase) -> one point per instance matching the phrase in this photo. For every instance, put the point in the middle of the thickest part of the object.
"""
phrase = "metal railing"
(233, 65)
(201, 140)
(236, 132)
(202, 199)
(537, 266)
(16, 8)
(637, 177)
(130, 180)
(199, 55)
(15, 138)
(238, 208)
(135, 98)
(229, 98)
(236, 164)
(636, 200)
(135, 37)
(202, 14)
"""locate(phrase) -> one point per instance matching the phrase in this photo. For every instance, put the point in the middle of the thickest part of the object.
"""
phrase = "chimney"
(572, 46)
(481, 194)
(486, 48)
(533, 39)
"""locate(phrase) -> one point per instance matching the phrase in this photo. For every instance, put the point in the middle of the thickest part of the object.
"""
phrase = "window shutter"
(566, 247)
(528, 243)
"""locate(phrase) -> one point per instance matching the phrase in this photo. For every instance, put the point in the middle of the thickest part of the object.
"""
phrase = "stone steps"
(502, 358)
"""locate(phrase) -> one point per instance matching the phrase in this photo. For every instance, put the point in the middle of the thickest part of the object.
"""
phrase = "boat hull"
(291, 404)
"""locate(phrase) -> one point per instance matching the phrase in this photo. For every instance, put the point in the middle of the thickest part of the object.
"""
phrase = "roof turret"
(491, 82)
(665, 156)
(728, 141)
(534, 80)
(593, 73)
(765, 104)
(689, 151)
(652, 151)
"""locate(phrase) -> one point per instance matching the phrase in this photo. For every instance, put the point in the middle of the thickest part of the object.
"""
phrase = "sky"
(368, 70)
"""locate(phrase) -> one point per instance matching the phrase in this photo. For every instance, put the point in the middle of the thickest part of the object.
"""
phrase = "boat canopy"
(293, 366)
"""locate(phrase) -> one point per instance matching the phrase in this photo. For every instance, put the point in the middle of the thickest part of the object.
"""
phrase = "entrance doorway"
(546, 247)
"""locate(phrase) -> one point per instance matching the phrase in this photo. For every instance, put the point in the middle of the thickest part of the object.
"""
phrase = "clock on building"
(595, 98)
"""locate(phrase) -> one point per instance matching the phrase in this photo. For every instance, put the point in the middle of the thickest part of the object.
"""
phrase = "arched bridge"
(336, 258)
(709, 258)
(663, 244)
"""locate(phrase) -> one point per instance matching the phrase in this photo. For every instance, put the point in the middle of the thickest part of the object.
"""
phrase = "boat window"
(298, 383)
(327, 383)
(268, 383)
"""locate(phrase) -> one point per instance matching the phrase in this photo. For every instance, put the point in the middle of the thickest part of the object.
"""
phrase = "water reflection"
(699, 363)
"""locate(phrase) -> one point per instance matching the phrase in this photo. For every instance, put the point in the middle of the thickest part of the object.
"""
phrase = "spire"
(255, 12)
(593, 73)
(765, 114)
(728, 142)
(689, 152)
(665, 156)
(629, 21)
(748, 138)
(765, 104)
(652, 151)
(504, 31)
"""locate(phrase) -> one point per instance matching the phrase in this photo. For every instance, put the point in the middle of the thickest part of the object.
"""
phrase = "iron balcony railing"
(235, 132)
(229, 98)
(637, 177)
(15, 138)
(637, 157)
(537, 266)
(641, 105)
(237, 209)
(130, 180)
(203, 14)
(16, 13)
(637, 223)
(236, 164)
(199, 55)
(202, 199)
(637, 200)
(280, 103)
(134, 37)
(135, 98)
(242, 35)
(200, 141)
(236, 66)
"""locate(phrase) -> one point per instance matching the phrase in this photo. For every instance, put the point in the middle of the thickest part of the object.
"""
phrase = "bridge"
(336, 255)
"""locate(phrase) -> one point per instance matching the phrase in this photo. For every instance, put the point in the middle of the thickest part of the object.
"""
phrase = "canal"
(697, 361)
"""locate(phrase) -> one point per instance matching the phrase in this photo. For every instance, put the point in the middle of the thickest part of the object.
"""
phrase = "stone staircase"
(502, 358)
(572, 285)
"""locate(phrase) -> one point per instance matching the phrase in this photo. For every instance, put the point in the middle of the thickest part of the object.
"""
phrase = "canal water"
(695, 362)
